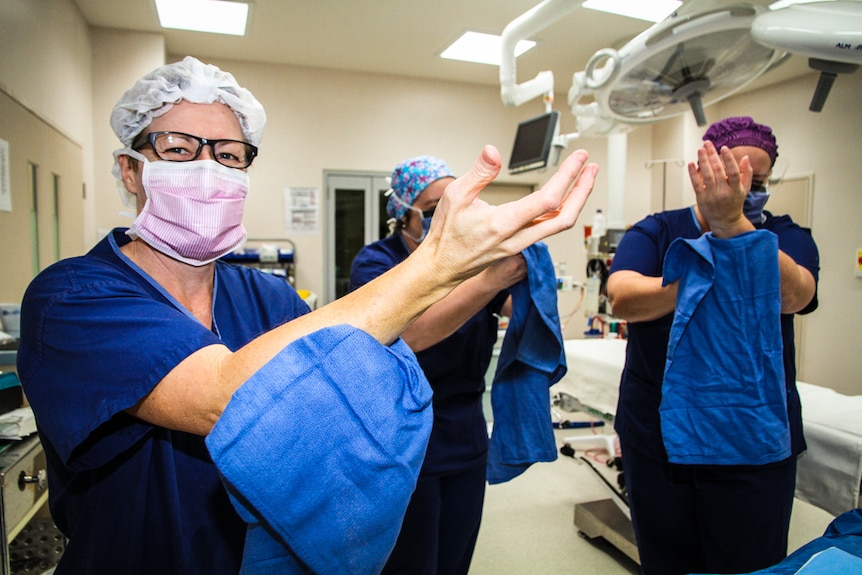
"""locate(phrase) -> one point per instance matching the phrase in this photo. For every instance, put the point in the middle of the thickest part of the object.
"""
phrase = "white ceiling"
(401, 37)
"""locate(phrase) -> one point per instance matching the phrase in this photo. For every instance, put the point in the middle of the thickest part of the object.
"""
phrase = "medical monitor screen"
(533, 142)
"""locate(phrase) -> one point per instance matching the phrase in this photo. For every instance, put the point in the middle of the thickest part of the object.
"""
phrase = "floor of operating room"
(528, 523)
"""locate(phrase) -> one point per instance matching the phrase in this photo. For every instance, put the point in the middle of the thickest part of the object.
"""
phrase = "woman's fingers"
(465, 189)
(706, 167)
(694, 176)
(549, 201)
(556, 206)
(467, 234)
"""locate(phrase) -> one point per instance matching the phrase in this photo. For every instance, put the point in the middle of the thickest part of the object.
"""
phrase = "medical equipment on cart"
(274, 256)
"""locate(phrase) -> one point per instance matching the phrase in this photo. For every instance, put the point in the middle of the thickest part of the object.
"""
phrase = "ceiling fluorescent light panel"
(651, 11)
(481, 48)
(215, 16)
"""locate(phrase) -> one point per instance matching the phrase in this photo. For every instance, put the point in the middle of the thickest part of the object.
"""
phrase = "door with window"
(356, 216)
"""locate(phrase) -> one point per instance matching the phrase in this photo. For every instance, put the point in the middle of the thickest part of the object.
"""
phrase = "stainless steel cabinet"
(23, 491)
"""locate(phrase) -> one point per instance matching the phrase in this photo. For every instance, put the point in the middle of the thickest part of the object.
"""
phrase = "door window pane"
(349, 234)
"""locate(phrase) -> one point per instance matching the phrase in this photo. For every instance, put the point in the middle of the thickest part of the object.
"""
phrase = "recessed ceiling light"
(481, 48)
(785, 3)
(652, 11)
(216, 16)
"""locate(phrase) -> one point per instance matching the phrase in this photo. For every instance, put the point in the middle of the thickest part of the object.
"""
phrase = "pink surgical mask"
(193, 211)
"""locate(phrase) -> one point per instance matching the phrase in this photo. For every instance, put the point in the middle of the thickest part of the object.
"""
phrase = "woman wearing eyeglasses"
(196, 418)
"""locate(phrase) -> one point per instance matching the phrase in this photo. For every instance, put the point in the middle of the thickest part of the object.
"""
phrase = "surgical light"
(652, 11)
(481, 48)
(215, 16)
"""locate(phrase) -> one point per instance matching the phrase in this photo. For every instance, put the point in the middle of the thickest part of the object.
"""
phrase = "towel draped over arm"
(320, 451)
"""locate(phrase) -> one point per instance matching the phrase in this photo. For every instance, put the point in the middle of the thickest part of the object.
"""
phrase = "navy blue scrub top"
(455, 368)
(97, 336)
(642, 249)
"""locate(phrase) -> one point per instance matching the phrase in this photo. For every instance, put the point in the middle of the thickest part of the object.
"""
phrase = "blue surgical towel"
(723, 396)
(532, 359)
(320, 451)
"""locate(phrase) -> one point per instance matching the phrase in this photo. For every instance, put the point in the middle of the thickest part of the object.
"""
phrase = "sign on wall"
(300, 210)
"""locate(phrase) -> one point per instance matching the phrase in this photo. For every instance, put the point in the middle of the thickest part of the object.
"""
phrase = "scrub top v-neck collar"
(128, 261)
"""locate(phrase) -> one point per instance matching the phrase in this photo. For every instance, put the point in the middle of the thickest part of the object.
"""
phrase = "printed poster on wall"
(5, 186)
(300, 210)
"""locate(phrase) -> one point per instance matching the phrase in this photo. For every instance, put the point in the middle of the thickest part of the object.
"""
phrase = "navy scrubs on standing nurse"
(705, 518)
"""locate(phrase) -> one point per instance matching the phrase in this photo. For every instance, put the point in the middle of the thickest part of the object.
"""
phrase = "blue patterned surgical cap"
(410, 178)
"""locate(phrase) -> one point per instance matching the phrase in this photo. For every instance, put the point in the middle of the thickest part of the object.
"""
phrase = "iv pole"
(664, 164)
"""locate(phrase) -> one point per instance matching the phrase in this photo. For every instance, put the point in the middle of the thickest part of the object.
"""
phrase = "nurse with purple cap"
(714, 515)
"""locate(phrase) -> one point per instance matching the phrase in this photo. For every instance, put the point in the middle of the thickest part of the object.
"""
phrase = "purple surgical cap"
(742, 131)
(410, 178)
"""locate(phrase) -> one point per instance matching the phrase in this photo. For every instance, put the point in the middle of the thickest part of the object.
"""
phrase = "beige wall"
(120, 57)
(324, 120)
(47, 68)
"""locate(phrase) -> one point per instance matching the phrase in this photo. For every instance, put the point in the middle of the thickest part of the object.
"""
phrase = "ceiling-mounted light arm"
(534, 20)
(595, 77)
(828, 72)
(562, 141)
(828, 33)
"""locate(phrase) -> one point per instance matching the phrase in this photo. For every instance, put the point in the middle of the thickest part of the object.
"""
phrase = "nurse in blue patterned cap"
(453, 342)
(417, 185)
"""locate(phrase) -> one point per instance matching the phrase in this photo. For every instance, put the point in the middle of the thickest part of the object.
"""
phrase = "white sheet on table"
(594, 369)
(830, 472)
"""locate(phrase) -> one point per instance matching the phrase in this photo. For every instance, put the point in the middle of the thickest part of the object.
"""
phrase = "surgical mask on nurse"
(755, 202)
(426, 216)
(193, 211)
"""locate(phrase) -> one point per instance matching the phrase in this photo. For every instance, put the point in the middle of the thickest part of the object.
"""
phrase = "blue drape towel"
(723, 397)
(320, 451)
(532, 359)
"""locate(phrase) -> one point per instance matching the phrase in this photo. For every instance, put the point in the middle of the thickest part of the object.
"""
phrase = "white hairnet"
(189, 80)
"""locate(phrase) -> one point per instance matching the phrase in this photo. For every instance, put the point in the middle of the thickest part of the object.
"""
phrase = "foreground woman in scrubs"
(134, 353)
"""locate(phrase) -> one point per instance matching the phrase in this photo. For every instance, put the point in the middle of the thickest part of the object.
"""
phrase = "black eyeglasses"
(180, 147)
